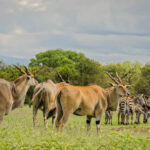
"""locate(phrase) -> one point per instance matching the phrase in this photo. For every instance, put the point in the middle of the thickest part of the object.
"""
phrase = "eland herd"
(60, 100)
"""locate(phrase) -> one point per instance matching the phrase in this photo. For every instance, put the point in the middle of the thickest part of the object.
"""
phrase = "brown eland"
(91, 101)
(12, 94)
(44, 99)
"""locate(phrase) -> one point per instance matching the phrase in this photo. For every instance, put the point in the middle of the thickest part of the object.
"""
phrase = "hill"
(14, 60)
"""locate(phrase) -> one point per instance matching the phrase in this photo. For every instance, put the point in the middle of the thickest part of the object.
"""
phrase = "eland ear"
(28, 77)
(141, 95)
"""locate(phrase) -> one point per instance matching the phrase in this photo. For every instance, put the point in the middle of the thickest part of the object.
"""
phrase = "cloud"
(32, 5)
(107, 31)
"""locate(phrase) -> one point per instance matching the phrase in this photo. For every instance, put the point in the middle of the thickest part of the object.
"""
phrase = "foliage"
(9, 73)
(18, 133)
(128, 72)
(43, 73)
(56, 58)
(77, 69)
(74, 67)
(143, 85)
(2, 65)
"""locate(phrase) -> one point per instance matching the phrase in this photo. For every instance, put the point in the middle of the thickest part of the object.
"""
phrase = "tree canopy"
(77, 69)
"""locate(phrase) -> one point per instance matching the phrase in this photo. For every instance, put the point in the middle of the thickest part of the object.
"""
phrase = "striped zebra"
(148, 115)
(142, 108)
(123, 111)
(132, 108)
(108, 117)
(128, 107)
(146, 108)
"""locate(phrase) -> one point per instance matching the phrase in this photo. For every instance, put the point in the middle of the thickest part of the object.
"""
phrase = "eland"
(90, 101)
(44, 99)
(12, 94)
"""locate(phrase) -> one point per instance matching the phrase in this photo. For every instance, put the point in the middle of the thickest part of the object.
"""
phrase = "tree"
(9, 73)
(128, 72)
(68, 63)
(2, 65)
(77, 69)
(56, 58)
(143, 84)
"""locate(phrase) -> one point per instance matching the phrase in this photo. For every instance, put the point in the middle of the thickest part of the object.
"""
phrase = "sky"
(108, 31)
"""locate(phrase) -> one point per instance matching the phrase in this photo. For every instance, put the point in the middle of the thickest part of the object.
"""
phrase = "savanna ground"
(17, 133)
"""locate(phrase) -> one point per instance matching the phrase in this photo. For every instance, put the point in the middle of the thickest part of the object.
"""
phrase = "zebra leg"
(111, 119)
(145, 118)
(119, 117)
(132, 118)
(106, 117)
(137, 118)
(127, 118)
(123, 118)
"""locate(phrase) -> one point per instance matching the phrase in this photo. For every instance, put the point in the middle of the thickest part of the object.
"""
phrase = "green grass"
(17, 133)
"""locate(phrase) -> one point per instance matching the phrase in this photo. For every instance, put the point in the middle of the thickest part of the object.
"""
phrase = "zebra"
(139, 101)
(108, 117)
(132, 107)
(148, 115)
(146, 108)
(142, 108)
(128, 106)
(123, 111)
(136, 105)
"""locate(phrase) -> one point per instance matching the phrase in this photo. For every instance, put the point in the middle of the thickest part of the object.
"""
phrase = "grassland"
(17, 133)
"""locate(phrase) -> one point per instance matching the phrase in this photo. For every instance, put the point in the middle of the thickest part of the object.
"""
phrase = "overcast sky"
(105, 30)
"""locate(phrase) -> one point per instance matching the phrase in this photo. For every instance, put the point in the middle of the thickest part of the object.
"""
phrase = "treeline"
(77, 69)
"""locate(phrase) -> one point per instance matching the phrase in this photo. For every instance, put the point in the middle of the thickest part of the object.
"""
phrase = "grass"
(17, 133)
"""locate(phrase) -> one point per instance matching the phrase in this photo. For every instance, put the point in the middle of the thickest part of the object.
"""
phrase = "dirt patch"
(132, 128)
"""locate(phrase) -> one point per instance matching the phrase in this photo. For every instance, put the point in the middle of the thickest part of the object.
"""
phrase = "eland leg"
(45, 114)
(64, 120)
(88, 122)
(1, 117)
(53, 120)
(98, 115)
(59, 114)
(34, 115)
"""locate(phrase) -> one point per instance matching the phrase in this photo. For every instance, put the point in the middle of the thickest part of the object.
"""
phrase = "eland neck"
(112, 98)
(20, 89)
